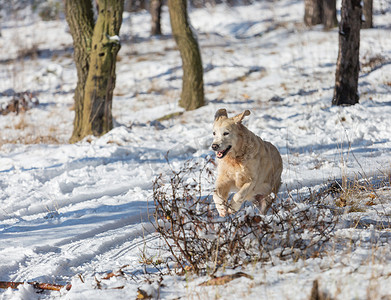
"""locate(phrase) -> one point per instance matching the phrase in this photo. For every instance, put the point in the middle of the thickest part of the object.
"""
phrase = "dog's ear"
(222, 112)
(238, 118)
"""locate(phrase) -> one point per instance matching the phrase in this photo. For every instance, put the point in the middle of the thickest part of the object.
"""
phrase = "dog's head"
(226, 132)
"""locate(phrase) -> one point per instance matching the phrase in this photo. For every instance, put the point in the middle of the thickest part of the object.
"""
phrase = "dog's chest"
(234, 171)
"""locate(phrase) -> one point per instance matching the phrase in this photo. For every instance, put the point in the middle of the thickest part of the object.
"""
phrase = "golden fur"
(246, 164)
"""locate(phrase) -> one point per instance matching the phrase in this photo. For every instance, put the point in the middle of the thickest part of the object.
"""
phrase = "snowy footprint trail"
(82, 208)
(70, 211)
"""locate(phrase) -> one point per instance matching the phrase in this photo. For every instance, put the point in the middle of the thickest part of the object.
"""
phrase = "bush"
(19, 102)
(49, 10)
(199, 240)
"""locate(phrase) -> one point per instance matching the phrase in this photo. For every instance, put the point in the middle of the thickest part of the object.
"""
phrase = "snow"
(76, 212)
(114, 38)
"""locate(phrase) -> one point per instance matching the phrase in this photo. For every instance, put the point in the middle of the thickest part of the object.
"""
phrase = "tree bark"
(156, 12)
(330, 14)
(80, 18)
(98, 94)
(313, 12)
(192, 95)
(346, 76)
(367, 13)
(96, 47)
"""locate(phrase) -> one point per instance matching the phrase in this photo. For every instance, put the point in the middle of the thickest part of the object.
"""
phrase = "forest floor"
(74, 213)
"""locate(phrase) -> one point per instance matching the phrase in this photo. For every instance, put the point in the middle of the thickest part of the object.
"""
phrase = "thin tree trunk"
(346, 77)
(367, 13)
(156, 12)
(313, 12)
(80, 17)
(330, 14)
(192, 95)
(100, 82)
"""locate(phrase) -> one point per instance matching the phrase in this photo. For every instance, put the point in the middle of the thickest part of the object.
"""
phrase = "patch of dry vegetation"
(202, 242)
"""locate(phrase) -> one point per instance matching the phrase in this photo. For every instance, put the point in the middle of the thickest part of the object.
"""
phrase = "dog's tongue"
(219, 154)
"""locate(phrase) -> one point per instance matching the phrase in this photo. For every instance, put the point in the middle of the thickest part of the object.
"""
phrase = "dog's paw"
(231, 211)
(234, 206)
(222, 213)
(222, 210)
(221, 205)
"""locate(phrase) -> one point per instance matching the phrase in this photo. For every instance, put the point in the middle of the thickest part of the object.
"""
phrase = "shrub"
(48, 10)
(199, 240)
(20, 102)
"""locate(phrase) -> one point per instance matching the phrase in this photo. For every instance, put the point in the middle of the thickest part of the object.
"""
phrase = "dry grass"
(22, 124)
(156, 89)
(30, 140)
(29, 52)
(359, 195)
(372, 63)
(24, 131)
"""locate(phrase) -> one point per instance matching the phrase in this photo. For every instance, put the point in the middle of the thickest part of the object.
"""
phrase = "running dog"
(246, 164)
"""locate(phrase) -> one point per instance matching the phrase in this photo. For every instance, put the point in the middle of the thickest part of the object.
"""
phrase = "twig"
(36, 285)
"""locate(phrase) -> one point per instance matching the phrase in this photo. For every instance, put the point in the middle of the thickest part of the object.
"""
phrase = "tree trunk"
(367, 12)
(330, 14)
(313, 12)
(192, 95)
(156, 12)
(98, 94)
(96, 48)
(346, 77)
(80, 18)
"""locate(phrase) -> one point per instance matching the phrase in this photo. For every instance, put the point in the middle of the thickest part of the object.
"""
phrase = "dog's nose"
(215, 147)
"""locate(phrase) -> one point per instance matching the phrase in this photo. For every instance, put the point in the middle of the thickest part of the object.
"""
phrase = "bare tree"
(320, 12)
(330, 14)
(346, 76)
(156, 12)
(313, 12)
(135, 5)
(367, 13)
(96, 46)
(192, 95)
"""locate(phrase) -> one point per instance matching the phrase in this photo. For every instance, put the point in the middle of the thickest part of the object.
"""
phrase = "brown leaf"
(141, 294)
(370, 203)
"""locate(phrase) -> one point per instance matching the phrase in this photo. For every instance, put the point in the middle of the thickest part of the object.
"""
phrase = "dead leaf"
(141, 294)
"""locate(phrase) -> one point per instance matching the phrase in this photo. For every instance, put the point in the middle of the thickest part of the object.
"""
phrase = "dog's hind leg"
(240, 197)
(263, 202)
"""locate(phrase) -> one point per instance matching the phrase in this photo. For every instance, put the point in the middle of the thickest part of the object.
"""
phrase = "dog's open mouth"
(221, 154)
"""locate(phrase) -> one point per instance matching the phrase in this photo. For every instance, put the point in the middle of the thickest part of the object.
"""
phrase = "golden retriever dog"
(246, 164)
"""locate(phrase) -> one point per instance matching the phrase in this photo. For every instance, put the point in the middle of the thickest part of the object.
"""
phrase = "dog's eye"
(225, 133)
(214, 133)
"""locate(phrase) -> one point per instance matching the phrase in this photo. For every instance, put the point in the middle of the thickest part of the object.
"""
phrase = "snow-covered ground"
(75, 212)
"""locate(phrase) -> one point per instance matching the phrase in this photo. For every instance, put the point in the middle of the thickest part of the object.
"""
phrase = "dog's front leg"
(240, 197)
(220, 198)
(221, 204)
